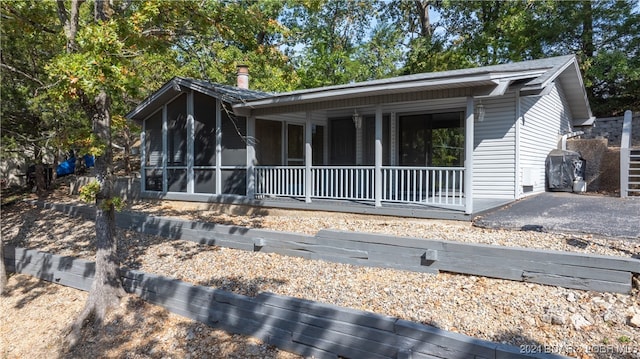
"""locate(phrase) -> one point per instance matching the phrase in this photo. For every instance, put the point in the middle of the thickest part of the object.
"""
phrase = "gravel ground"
(570, 322)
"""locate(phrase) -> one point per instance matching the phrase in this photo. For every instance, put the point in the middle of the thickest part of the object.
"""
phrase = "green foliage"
(89, 192)
(624, 339)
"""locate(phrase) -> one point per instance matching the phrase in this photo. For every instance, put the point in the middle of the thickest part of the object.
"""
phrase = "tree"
(110, 59)
(325, 40)
(80, 82)
(603, 34)
(29, 129)
(606, 37)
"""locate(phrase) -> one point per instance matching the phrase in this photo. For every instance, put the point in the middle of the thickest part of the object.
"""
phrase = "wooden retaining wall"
(557, 268)
(300, 326)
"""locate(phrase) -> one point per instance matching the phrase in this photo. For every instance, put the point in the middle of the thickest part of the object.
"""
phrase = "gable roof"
(531, 77)
(177, 85)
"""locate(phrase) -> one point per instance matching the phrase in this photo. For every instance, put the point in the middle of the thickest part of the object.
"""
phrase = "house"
(446, 144)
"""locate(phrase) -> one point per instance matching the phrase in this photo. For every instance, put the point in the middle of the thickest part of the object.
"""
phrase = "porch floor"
(388, 209)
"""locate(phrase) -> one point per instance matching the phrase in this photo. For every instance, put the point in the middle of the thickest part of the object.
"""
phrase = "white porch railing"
(440, 186)
(355, 183)
(286, 181)
(429, 185)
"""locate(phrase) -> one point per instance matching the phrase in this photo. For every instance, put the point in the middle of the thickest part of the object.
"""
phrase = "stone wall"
(602, 172)
(610, 128)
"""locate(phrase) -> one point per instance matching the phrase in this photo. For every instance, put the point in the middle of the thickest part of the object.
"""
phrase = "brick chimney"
(243, 76)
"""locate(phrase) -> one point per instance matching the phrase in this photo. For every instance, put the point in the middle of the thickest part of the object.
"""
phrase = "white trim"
(625, 153)
(165, 147)
(378, 160)
(308, 158)
(218, 147)
(251, 157)
(517, 189)
(468, 157)
(143, 156)
(190, 142)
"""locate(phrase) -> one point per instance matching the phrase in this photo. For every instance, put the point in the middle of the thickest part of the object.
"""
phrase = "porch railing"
(425, 185)
(430, 185)
(355, 183)
(286, 181)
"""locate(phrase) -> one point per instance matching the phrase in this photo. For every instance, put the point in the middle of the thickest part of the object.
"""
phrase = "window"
(177, 131)
(295, 145)
(268, 142)
(343, 141)
(204, 146)
(432, 139)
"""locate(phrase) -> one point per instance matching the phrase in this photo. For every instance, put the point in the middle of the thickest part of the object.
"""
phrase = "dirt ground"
(35, 315)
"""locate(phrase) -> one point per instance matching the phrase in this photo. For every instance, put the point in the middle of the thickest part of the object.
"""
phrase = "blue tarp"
(67, 167)
(89, 160)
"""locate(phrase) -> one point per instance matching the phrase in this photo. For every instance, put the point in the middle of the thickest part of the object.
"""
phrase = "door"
(343, 142)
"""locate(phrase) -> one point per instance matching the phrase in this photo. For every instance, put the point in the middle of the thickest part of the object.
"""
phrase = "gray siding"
(544, 120)
(494, 150)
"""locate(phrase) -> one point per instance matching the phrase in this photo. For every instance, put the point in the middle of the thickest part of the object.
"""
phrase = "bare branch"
(31, 22)
(13, 69)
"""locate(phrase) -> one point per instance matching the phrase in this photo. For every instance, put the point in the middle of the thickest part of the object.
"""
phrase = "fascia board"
(548, 77)
(379, 89)
(169, 86)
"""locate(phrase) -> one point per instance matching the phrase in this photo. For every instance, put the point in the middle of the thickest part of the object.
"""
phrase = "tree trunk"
(127, 149)
(106, 289)
(40, 177)
(422, 8)
(587, 30)
(3, 272)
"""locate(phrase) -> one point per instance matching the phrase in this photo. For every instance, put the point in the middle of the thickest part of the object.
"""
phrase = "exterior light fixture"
(479, 114)
(357, 119)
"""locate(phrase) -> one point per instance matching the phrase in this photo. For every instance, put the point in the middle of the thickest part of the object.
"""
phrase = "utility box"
(565, 171)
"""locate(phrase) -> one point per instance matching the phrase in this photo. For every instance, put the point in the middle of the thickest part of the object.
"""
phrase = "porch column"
(468, 157)
(218, 147)
(165, 148)
(251, 157)
(308, 159)
(190, 143)
(143, 156)
(378, 169)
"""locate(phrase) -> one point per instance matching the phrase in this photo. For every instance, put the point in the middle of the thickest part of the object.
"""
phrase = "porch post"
(165, 148)
(251, 157)
(190, 143)
(308, 158)
(378, 169)
(218, 147)
(143, 157)
(468, 157)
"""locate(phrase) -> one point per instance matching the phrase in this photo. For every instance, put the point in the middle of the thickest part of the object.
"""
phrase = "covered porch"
(417, 155)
